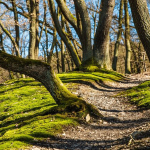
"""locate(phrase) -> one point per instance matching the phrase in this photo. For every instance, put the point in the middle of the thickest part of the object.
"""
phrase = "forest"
(74, 74)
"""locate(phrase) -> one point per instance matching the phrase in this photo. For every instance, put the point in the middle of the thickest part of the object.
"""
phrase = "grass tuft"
(139, 95)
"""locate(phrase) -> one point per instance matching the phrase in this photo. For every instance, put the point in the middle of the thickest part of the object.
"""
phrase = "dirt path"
(121, 120)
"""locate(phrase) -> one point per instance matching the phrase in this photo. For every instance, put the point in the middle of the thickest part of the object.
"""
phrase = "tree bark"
(11, 38)
(49, 54)
(67, 14)
(67, 42)
(36, 50)
(57, 56)
(141, 20)
(63, 46)
(116, 50)
(16, 22)
(32, 8)
(101, 40)
(1, 42)
(38, 70)
(127, 39)
(81, 7)
(44, 73)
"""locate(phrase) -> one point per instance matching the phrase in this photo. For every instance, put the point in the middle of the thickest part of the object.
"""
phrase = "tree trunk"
(16, 22)
(11, 38)
(63, 56)
(63, 46)
(50, 54)
(81, 7)
(36, 51)
(127, 39)
(67, 13)
(101, 40)
(17, 38)
(1, 42)
(32, 29)
(68, 63)
(38, 70)
(141, 20)
(61, 33)
(57, 56)
(139, 67)
(114, 64)
(44, 73)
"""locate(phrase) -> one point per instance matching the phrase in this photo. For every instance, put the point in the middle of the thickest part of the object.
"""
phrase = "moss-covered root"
(89, 65)
(79, 108)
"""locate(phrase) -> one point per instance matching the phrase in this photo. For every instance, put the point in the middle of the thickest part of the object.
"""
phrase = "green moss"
(89, 62)
(9, 59)
(72, 16)
(92, 65)
(100, 76)
(28, 114)
(89, 65)
(92, 68)
(79, 108)
(139, 95)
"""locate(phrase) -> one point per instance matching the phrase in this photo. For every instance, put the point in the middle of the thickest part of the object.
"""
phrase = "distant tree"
(1, 41)
(33, 9)
(82, 26)
(127, 39)
(116, 50)
(17, 38)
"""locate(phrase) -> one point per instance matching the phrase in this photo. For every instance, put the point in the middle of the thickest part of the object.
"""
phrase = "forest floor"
(124, 126)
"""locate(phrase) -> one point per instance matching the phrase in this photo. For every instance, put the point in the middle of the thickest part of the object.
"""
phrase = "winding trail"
(121, 119)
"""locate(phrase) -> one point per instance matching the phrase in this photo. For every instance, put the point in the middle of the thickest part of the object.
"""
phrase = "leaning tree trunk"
(44, 73)
(141, 20)
(116, 50)
(61, 33)
(101, 40)
(127, 39)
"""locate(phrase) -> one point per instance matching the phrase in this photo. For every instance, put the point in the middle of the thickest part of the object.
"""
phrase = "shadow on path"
(71, 144)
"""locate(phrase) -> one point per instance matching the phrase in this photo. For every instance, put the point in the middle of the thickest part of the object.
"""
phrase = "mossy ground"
(102, 75)
(139, 95)
(26, 109)
(24, 114)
